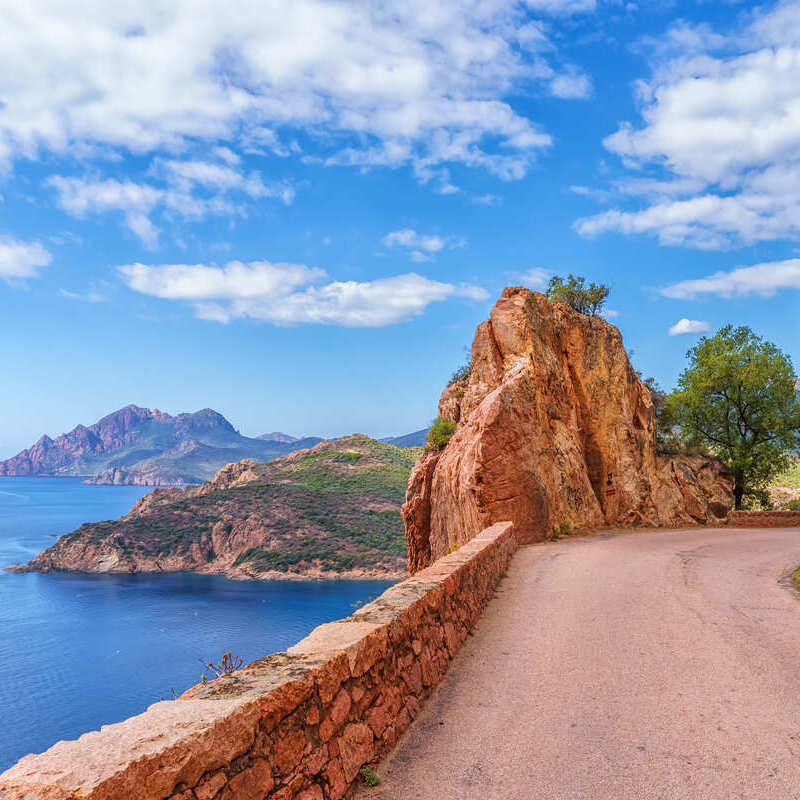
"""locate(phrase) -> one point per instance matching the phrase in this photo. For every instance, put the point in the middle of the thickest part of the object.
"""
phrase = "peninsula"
(332, 511)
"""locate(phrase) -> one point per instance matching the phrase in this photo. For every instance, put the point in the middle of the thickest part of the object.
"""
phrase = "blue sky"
(296, 212)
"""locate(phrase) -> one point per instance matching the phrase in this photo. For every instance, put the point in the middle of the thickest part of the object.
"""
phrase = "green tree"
(575, 293)
(737, 396)
(666, 439)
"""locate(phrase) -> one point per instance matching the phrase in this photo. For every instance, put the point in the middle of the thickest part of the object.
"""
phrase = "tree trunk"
(738, 491)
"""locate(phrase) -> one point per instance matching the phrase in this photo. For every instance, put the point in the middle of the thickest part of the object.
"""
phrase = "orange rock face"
(554, 427)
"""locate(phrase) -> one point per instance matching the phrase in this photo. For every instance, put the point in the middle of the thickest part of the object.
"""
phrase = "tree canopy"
(575, 293)
(668, 438)
(737, 396)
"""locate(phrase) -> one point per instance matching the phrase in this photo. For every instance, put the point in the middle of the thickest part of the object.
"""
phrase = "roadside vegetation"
(791, 476)
(737, 400)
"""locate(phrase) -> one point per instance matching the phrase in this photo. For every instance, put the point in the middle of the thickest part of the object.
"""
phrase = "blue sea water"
(80, 651)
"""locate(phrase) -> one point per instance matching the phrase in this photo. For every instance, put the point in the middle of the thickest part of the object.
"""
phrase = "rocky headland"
(555, 432)
(148, 447)
(332, 511)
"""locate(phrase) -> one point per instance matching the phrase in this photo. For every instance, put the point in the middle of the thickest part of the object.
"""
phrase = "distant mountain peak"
(206, 418)
(139, 445)
(415, 439)
(277, 436)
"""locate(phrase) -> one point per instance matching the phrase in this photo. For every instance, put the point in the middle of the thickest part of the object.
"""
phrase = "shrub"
(575, 293)
(228, 664)
(441, 433)
(793, 505)
(562, 529)
(369, 776)
(461, 374)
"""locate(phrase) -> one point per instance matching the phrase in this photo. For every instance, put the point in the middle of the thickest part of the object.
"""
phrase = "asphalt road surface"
(658, 664)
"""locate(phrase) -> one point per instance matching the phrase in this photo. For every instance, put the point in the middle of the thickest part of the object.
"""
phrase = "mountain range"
(149, 447)
(416, 439)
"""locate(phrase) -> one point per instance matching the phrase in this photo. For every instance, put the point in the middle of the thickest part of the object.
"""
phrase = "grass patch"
(796, 579)
(789, 478)
(369, 777)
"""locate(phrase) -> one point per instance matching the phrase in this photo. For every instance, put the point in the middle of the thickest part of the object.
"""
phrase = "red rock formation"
(554, 427)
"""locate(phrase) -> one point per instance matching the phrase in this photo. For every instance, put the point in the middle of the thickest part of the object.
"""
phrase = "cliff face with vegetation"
(555, 430)
(331, 511)
(147, 447)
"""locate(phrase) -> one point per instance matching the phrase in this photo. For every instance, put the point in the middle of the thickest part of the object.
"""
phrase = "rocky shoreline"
(236, 574)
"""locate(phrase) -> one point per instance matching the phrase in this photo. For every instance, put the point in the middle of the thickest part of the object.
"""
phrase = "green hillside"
(332, 509)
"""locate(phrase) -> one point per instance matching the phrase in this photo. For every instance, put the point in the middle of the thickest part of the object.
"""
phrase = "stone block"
(251, 784)
(289, 750)
(355, 745)
(284, 699)
(209, 786)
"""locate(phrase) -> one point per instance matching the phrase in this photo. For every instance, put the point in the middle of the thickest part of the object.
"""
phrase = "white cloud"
(191, 189)
(286, 294)
(227, 155)
(536, 278)
(721, 128)
(97, 293)
(572, 85)
(599, 195)
(562, 6)
(685, 326)
(764, 280)
(186, 175)
(412, 82)
(421, 247)
(235, 280)
(407, 237)
(21, 259)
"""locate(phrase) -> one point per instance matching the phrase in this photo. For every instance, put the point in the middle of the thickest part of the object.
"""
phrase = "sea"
(78, 651)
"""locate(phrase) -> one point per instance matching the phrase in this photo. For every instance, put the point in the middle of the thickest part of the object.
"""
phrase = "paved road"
(662, 664)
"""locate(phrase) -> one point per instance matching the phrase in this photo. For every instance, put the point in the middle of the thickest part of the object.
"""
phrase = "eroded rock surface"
(554, 427)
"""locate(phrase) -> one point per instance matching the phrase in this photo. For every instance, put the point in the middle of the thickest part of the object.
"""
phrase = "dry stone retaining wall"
(765, 519)
(295, 725)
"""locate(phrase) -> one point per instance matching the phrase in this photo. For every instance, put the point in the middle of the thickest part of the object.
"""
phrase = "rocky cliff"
(330, 511)
(147, 447)
(554, 427)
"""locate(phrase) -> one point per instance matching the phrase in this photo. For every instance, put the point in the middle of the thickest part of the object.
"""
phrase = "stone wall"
(765, 519)
(299, 724)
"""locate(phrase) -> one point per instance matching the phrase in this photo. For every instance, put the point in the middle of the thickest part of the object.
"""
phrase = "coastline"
(233, 574)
